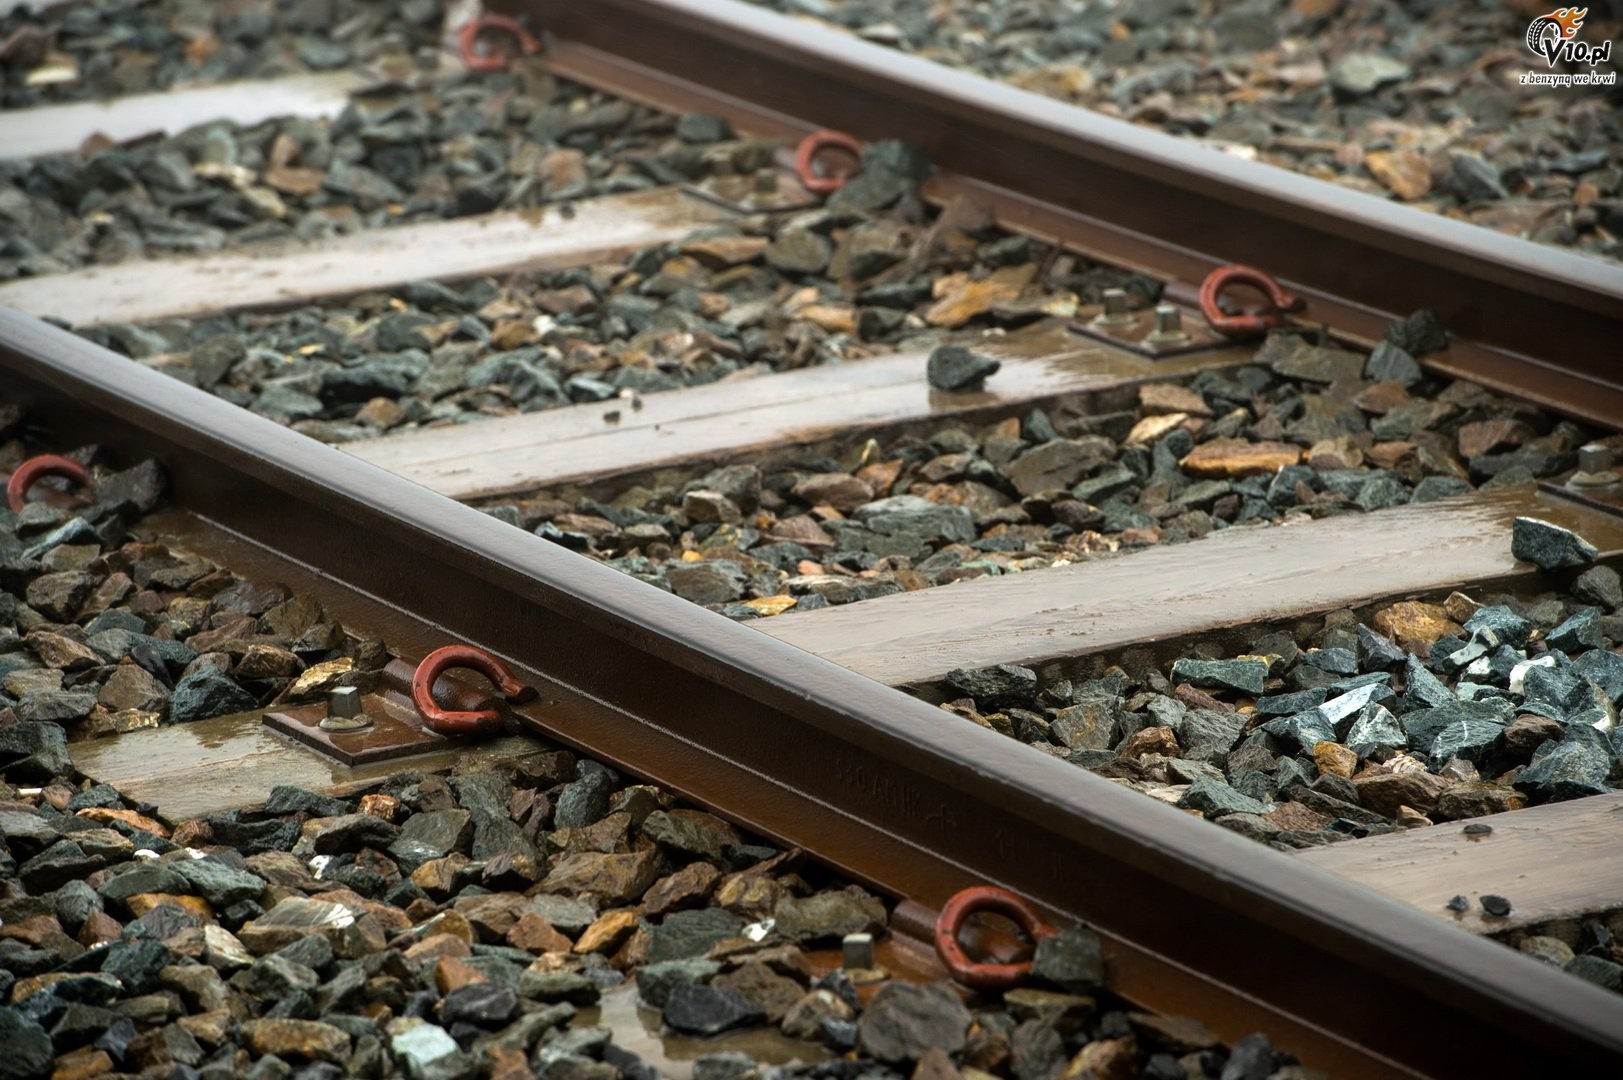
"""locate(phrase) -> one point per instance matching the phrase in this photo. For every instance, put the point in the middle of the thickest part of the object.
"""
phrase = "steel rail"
(1534, 321)
(1197, 920)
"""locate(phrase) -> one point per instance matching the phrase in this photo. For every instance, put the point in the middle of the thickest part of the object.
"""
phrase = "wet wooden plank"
(501, 243)
(1557, 861)
(1229, 579)
(62, 129)
(201, 768)
(724, 420)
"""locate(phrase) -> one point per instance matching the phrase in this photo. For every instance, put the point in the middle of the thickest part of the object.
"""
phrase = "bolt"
(344, 712)
(856, 952)
(1594, 467)
(1168, 327)
(1115, 312)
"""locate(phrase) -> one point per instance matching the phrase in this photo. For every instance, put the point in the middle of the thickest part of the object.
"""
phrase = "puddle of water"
(638, 1028)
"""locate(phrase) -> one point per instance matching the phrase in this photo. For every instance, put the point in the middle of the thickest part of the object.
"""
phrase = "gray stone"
(1376, 726)
(207, 693)
(1600, 585)
(1580, 632)
(802, 251)
(1304, 730)
(1473, 179)
(1422, 689)
(1498, 625)
(687, 934)
(1208, 736)
(1058, 464)
(827, 917)
(903, 1020)
(51, 707)
(701, 1009)
(585, 799)
(1359, 74)
(708, 581)
(28, 1051)
(996, 686)
(1244, 676)
(1572, 770)
(1598, 970)
(33, 752)
(655, 981)
(953, 367)
(219, 884)
(275, 976)
(1070, 960)
(430, 835)
(1389, 363)
(485, 1005)
(1215, 798)
(1549, 546)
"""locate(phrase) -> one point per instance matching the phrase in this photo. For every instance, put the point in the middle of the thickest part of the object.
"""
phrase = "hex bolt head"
(1168, 326)
(1115, 311)
(344, 702)
(1594, 467)
(856, 952)
(344, 711)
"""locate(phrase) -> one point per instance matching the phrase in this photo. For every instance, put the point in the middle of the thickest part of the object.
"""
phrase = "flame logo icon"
(1547, 34)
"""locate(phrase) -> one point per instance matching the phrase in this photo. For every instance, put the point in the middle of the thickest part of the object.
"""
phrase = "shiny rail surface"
(1536, 322)
(883, 786)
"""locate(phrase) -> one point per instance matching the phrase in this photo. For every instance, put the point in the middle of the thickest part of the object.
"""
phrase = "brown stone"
(1528, 732)
(613, 879)
(1106, 1059)
(492, 915)
(99, 928)
(1329, 455)
(690, 886)
(267, 662)
(209, 1028)
(1382, 397)
(106, 814)
(61, 652)
(306, 1039)
(1387, 455)
(607, 932)
(1151, 740)
(437, 877)
(35, 931)
(959, 299)
(1460, 607)
(1237, 457)
(194, 906)
(775, 994)
(1333, 759)
(1384, 793)
(1295, 816)
(750, 896)
(453, 973)
(81, 1064)
(379, 805)
(1405, 173)
(437, 947)
(1196, 698)
(1478, 799)
(719, 252)
(533, 933)
(1152, 427)
(1157, 398)
(507, 1063)
(1486, 436)
(839, 490)
(1413, 622)
(934, 1064)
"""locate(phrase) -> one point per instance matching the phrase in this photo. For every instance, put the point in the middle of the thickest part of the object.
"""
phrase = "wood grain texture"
(1557, 861)
(1233, 578)
(724, 420)
(62, 129)
(595, 230)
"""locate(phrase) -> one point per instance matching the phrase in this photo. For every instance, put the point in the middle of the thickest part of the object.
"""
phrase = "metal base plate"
(1130, 335)
(394, 732)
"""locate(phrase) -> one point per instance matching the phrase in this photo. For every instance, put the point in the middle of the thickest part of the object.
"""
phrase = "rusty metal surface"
(1196, 920)
(1535, 321)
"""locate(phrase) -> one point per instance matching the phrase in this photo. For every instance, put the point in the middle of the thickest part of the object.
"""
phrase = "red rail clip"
(1244, 325)
(973, 973)
(463, 722)
(811, 148)
(477, 59)
(43, 465)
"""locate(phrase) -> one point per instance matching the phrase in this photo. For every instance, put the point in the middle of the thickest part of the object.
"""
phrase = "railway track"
(813, 747)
